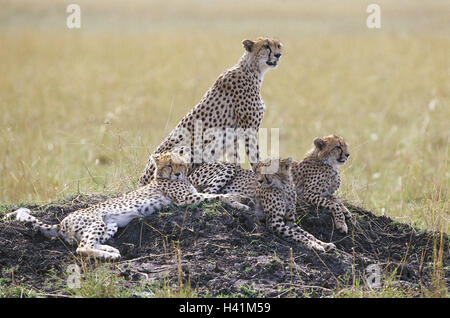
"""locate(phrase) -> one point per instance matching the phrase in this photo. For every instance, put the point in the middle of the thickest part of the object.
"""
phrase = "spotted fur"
(276, 196)
(234, 101)
(93, 226)
(316, 177)
(273, 193)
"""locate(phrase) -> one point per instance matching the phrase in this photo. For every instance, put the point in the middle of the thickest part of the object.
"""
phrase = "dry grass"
(82, 109)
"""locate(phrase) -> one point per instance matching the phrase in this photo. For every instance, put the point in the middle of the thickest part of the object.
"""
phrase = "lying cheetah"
(316, 178)
(233, 102)
(94, 225)
(224, 177)
(276, 196)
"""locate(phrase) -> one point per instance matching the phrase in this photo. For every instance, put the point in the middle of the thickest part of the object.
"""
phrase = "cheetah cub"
(92, 226)
(276, 197)
(316, 177)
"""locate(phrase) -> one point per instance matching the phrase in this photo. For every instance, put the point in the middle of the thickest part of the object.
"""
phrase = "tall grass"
(82, 109)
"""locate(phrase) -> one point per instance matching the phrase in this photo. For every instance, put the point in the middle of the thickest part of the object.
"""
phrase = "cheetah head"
(331, 149)
(274, 172)
(264, 52)
(170, 166)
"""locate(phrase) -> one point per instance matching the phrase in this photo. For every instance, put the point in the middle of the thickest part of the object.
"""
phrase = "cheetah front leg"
(275, 219)
(338, 210)
(230, 199)
(95, 234)
(248, 131)
(297, 234)
(110, 231)
(291, 209)
(312, 242)
(252, 150)
(344, 209)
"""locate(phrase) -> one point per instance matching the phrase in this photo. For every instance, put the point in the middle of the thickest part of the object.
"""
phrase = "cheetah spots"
(234, 100)
(317, 178)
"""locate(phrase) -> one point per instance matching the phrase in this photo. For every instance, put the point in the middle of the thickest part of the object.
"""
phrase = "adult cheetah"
(232, 104)
(92, 226)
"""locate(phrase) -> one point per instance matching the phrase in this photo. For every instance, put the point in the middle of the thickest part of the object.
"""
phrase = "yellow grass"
(82, 109)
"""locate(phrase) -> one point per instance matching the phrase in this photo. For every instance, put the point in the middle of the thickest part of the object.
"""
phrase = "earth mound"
(218, 251)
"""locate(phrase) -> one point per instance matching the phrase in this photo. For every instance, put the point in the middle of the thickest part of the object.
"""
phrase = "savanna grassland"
(82, 109)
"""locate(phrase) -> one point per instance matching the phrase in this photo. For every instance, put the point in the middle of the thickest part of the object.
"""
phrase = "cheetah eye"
(266, 46)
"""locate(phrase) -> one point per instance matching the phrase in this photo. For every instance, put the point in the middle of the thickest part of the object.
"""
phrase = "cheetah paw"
(22, 215)
(239, 206)
(234, 200)
(238, 197)
(318, 247)
(104, 253)
(346, 212)
(342, 228)
(329, 246)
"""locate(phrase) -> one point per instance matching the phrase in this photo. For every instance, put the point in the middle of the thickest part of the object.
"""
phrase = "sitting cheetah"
(233, 102)
(96, 224)
(276, 196)
(316, 178)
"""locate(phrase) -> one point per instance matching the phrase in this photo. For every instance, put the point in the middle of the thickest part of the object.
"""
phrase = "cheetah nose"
(177, 174)
(347, 155)
(277, 55)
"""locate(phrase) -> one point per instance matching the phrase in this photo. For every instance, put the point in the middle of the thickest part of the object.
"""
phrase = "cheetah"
(317, 178)
(93, 226)
(276, 196)
(225, 178)
(233, 102)
(273, 194)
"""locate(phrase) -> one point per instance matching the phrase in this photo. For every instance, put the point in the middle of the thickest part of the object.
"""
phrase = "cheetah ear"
(248, 45)
(287, 163)
(319, 143)
(154, 157)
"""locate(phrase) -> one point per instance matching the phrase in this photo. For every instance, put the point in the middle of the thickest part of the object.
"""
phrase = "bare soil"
(218, 251)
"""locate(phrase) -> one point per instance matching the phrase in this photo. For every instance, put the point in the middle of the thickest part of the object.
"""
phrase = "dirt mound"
(218, 251)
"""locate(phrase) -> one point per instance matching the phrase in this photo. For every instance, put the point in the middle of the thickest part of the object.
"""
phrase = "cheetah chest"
(335, 182)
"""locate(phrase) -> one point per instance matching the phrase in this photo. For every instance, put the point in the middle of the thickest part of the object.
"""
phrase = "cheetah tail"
(23, 215)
